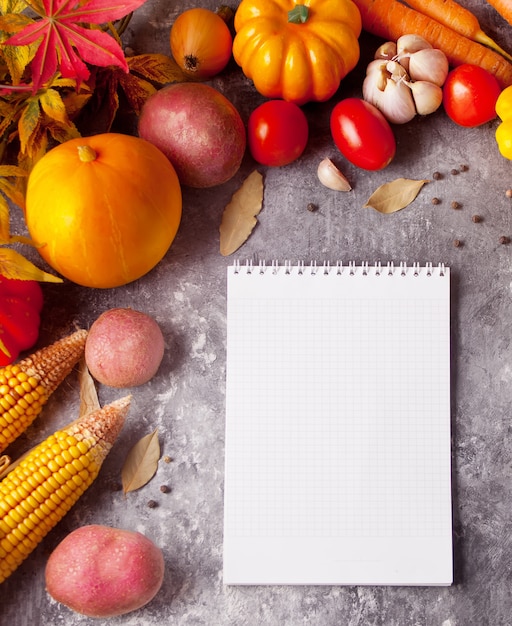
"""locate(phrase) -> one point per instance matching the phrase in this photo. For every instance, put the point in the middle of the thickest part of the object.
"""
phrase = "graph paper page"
(338, 460)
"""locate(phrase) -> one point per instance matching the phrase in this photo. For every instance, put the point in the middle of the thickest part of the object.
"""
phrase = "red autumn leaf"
(65, 44)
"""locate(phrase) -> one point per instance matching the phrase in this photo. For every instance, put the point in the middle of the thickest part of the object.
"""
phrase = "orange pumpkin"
(104, 209)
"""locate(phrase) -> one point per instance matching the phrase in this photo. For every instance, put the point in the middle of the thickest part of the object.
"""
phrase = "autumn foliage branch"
(61, 63)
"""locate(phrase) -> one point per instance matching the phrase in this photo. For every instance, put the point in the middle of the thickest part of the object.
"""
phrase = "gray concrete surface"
(185, 401)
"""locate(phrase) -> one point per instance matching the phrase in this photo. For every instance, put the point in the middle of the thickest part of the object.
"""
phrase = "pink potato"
(198, 129)
(100, 571)
(124, 348)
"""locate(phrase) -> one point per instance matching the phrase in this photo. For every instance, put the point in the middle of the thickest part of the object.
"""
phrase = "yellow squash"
(298, 51)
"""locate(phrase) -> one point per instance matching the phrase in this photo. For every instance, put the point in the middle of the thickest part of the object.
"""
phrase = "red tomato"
(277, 132)
(470, 94)
(362, 134)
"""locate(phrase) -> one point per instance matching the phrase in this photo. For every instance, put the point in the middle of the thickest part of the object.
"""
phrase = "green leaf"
(141, 463)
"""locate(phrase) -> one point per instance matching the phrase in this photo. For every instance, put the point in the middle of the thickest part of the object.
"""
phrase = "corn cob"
(26, 386)
(40, 490)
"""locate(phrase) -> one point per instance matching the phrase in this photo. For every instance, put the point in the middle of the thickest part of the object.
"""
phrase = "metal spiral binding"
(350, 269)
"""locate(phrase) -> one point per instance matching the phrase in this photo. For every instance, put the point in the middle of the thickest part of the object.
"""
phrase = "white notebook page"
(338, 456)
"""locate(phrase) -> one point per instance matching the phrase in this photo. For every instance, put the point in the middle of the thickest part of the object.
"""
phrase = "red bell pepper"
(21, 302)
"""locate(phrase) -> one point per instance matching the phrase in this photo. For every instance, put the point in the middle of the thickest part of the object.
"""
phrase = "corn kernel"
(42, 491)
(52, 483)
(78, 465)
(22, 403)
(16, 536)
(67, 471)
(4, 528)
(78, 480)
(45, 471)
(53, 466)
(10, 522)
(28, 506)
(83, 447)
(12, 382)
(66, 456)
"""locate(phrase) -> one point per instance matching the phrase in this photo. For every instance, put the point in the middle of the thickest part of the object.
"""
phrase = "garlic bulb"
(408, 83)
(330, 176)
(427, 96)
(429, 64)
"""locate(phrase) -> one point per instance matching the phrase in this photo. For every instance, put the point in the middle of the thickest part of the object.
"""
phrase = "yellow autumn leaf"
(28, 123)
(15, 265)
(141, 463)
(75, 102)
(11, 189)
(137, 90)
(12, 6)
(239, 217)
(394, 196)
(157, 68)
(5, 226)
(52, 104)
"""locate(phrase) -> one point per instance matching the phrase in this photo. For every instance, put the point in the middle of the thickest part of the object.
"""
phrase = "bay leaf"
(239, 216)
(88, 395)
(141, 462)
(395, 195)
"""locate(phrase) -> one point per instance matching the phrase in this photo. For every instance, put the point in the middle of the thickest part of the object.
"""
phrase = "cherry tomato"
(277, 132)
(362, 134)
(469, 95)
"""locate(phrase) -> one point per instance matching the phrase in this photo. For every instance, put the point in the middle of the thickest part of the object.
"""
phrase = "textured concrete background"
(185, 401)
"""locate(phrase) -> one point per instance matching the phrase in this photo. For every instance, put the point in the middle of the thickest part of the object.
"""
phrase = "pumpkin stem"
(86, 154)
(299, 14)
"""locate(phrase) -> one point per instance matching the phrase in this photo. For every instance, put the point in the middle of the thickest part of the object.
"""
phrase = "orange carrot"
(458, 18)
(390, 19)
(504, 8)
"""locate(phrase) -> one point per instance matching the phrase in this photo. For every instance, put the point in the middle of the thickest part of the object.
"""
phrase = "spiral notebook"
(338, 455)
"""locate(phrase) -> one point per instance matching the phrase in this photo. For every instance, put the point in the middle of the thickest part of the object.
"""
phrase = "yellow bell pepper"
(297, 50)
(504, 130)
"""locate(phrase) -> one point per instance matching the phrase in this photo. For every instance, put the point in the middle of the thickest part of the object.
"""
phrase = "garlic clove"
(330, 176)
(386, 51)
(378, 65)
(397, 103)
(407, 44)
(430, 65)
(427, 96)
(376, 79)
(396, 70)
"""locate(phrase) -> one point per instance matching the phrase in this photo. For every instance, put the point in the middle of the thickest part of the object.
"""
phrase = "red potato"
(198, 129)
(124, 348)
(100, 571)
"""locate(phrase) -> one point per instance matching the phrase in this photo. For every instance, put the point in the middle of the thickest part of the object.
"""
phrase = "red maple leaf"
(65, 44)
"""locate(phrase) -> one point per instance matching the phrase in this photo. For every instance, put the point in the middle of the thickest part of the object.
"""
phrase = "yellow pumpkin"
(104, 209)
(298, 51)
